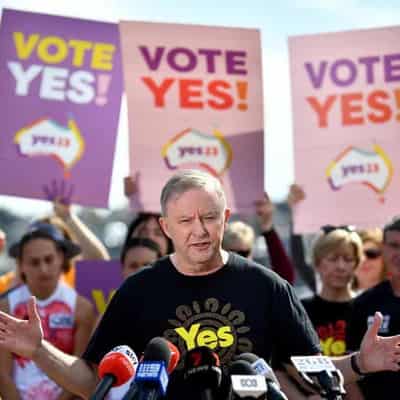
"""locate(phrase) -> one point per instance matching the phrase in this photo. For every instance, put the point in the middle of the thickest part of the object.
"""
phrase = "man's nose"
(44, 267)
(199, 227)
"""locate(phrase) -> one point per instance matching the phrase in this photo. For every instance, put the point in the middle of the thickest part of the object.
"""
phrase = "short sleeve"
(294, 332)
(357, 326)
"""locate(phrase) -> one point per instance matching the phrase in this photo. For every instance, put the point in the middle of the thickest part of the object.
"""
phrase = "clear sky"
(289, 18)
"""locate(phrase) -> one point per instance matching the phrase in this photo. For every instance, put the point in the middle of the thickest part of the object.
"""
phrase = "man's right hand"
(22, 337)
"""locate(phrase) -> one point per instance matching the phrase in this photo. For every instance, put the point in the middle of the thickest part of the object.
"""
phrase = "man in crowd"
(199, 295)
(385, 297)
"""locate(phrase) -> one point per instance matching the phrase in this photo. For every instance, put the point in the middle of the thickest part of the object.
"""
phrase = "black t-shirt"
(330, 320)
(242, 307)
(379, 298)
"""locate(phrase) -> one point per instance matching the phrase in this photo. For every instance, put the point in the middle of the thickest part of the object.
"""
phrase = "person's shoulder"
(308, 301)
(84, 306)
(373, 294)
(153, 272)
(258, 271)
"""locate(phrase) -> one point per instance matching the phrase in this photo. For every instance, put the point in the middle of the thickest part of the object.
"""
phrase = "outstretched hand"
(22, 337)
(379, 353)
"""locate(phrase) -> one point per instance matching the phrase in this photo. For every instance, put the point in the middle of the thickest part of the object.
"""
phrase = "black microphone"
(321, 374)
(245, 383)
(262, 368)
(151, 378)
(115, 369)
(202, 372)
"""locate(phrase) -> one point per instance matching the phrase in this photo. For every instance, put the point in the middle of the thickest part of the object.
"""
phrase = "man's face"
(391, 254)
(195, 222)
(41, 263)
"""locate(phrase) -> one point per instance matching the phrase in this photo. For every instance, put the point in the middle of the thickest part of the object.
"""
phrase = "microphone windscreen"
(157, 350)
(175, 357)
(121, 363)
(241, 367)
(202, 355)
(249, 357)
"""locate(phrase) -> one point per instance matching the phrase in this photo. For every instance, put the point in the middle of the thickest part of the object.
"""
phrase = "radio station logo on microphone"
(192, 148)
(210, 323)
(372, 168)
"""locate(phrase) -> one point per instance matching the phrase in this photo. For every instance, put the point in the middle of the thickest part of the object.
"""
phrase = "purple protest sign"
(61, 91)
(98, 280)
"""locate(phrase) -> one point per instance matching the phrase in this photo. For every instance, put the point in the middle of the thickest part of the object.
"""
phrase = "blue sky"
(291, 17)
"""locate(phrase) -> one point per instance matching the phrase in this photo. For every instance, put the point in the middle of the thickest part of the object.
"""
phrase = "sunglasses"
(330, 228)
(372, 254)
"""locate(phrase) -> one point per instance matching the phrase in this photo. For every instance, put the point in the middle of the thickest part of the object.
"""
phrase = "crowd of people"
(188, 275)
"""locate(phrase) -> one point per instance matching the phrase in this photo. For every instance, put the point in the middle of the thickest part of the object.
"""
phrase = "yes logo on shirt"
(210, 323)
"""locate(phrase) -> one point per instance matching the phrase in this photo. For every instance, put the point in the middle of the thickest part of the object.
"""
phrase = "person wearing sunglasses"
(372, 270)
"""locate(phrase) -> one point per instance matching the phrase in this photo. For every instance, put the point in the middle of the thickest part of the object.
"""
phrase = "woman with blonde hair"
(337, 253)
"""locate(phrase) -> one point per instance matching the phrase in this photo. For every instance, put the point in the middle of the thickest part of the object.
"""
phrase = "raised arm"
(280, 261)
(25, 338)
(92, 247)
(305, 270)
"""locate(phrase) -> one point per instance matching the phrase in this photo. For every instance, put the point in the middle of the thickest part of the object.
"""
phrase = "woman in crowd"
(337, 254)
(136, 253)
(42, 256)
(372, 269)
(73, 229)
(146, 225)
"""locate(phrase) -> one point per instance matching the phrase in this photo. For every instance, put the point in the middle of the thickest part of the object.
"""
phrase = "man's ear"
(164, 225)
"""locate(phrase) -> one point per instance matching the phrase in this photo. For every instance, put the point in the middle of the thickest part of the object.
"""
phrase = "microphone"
(321, 374)
(202, 372)
(246, 384)
(115, 369)
(174, 358)
(262, 368)
(151, 378)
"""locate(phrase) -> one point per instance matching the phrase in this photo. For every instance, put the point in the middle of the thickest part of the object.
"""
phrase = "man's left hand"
(379, 353)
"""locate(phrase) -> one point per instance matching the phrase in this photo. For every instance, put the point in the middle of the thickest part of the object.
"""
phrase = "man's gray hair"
(186, 180)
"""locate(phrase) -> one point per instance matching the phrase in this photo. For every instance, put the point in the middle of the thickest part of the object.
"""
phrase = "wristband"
(354, 365)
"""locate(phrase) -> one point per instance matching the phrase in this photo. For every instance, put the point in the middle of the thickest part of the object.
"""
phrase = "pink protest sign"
(346, 113)
(195, 100)
(61, 86)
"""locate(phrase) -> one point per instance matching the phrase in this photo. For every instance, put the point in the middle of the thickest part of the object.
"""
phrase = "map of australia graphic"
(372, 168)
(46, 137)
